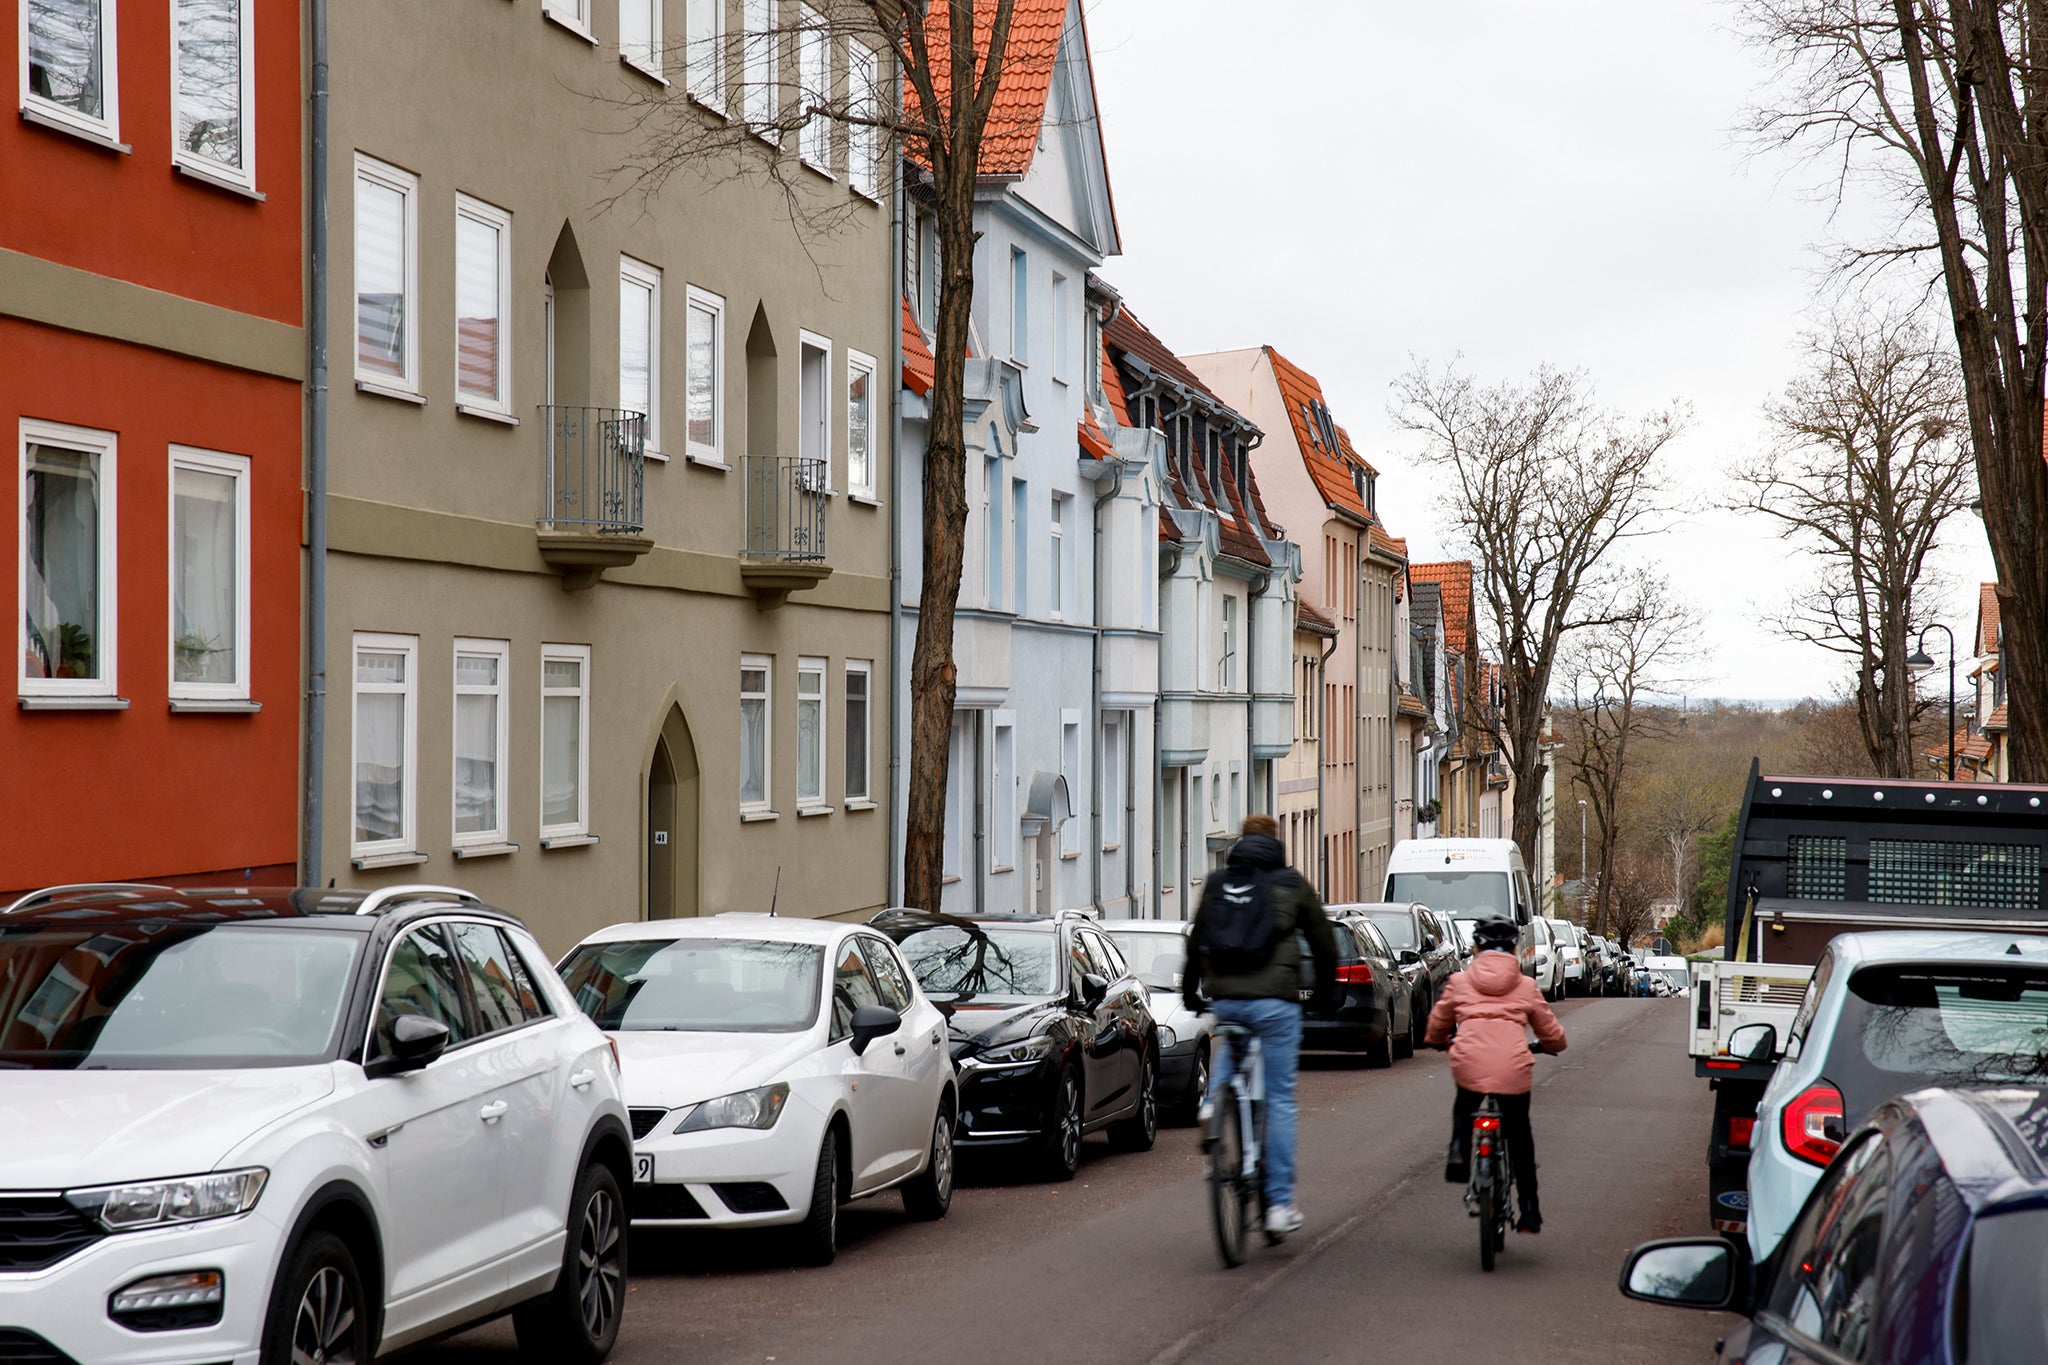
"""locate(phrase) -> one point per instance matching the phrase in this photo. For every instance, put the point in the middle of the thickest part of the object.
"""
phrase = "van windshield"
(1467, 895)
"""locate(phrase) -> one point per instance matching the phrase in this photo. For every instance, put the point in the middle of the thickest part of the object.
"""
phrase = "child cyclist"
(1489, 1007)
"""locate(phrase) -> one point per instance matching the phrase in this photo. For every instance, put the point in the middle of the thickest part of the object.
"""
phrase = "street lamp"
(1919, 662)
(1582, 857)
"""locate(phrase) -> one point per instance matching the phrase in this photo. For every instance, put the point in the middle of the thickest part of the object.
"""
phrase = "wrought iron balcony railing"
(786, 499)
(596, 468)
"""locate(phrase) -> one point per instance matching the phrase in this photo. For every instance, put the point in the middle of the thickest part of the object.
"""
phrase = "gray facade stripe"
(100, 305)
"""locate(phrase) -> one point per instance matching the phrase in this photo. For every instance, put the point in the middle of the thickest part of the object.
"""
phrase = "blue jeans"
(1277, 1026)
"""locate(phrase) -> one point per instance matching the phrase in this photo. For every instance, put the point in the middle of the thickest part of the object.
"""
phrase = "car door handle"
(935, 1040)
(493, 1111)
(580, 1080)
(899, 1049)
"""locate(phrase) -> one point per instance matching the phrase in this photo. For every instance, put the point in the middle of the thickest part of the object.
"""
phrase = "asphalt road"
(1120, 1266)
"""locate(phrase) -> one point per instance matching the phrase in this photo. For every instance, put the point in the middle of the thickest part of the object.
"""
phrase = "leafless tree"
(1945, 104)
(1540, 485)
(780, 96)
(1870, 458)
(1611, 672)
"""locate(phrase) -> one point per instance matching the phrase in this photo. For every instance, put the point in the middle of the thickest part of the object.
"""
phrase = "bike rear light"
(1486, 1149)
(166, 1303)
(1740, 1131)
(1805, 1126)
(1354, 974)
(1487, 1123)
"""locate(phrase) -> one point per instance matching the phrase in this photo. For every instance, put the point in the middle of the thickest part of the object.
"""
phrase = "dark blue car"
(1925, 1241)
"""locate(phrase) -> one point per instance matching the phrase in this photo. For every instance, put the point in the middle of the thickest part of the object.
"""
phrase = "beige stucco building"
(1298, 792)
(608, 625)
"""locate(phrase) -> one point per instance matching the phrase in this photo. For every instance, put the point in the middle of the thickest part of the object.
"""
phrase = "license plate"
(643, 1170)
(1306, 995)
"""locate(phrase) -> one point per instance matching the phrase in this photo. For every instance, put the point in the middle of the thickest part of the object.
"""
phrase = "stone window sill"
(568, 841)
(749, 817)
(214, 706)
(371, 386)
(485, 850)
(373, 861)
(74, 703)
(487, 414)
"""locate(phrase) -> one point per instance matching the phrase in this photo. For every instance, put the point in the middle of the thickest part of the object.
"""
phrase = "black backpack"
(1238, 923)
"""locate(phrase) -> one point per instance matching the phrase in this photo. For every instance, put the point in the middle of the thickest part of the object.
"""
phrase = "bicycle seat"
(1231, 1031)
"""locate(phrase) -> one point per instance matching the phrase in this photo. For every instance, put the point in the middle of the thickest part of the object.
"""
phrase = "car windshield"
(1994, 1323)
(158, 996)
(1982, 1024)
(1156, 959)
(698, 985)
(1398, 928)
(1467, 895)
(974, 961)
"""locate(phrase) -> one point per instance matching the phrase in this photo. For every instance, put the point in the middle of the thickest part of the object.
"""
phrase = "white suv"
(270, 1126)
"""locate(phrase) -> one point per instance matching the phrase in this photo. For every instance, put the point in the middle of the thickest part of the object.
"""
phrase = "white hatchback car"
(774, 1068)
(272, 1126)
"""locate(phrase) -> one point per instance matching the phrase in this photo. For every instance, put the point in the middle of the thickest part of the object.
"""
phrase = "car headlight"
(756, 1108)
(1167, 1037)
(1030, 1050)
(160, 1203)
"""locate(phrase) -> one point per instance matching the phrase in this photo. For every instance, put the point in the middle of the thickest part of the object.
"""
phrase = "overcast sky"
(1362, 182)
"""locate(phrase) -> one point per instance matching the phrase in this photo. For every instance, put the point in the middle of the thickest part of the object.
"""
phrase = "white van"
(1467, 879)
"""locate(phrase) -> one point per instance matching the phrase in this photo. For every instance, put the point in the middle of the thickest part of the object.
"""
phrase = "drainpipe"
(897, 831)
(1322, 738)
(314, 763)
(1095, 703)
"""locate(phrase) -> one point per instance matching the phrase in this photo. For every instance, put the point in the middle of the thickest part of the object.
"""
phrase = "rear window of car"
(1980, 1024)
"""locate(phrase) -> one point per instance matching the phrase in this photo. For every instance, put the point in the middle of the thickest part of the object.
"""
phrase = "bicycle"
(1490, 1191)
(1234, 1140)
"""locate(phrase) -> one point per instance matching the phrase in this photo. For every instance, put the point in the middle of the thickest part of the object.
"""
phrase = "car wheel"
(931, 1193)
(1381, 1054)
(578, 1320)
(1063, 1137)
(317, 1311)
(817, 1237)
(1138, 1132)
(1404, 1046)
(1198, 1085)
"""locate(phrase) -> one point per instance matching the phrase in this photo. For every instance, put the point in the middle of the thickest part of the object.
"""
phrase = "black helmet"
(1495, 932)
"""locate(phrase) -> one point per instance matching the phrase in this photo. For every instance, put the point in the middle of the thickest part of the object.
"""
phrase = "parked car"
(1668, 975)
(1595, 950)
(1886, 1012)
(298, 1124)
(774, 1069)
(1571, 955)
(1426, 959)
(1545, 962)
(1157, 950)
(1375, 1011)
(1050, 1028)
(1923, 1242)
(1455, 942)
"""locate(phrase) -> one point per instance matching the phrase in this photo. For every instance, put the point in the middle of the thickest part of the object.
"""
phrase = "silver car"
(1158, 952)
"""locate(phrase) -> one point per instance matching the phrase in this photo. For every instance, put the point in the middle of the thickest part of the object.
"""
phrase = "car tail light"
(1740, 1131)
(1354, 974)
(1805, 1124)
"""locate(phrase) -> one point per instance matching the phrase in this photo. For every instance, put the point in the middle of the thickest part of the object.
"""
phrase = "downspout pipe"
(314, 765)
(1322, 738)
(897, 688)
(1095, 701)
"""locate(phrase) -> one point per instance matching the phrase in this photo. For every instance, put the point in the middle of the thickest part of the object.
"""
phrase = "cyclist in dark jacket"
(1268, 1000)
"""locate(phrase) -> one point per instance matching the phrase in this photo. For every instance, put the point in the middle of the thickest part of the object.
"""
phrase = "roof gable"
(1325, 451)
(1454, 587)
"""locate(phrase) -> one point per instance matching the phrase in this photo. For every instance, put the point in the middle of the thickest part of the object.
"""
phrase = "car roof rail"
(50, 893)
(384, 897)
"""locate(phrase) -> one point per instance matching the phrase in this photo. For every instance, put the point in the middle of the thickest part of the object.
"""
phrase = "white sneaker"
(1282, 1219)
(1205, 1111)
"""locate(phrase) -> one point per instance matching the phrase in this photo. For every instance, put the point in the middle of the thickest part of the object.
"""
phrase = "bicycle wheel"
(1227, 1177)
(1489, 1219)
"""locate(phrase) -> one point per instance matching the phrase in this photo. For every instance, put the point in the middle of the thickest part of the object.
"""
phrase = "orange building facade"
(152, 360)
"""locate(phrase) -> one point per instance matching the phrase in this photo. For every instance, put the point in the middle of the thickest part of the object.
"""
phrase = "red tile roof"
(1093, 439)
(1128, 334)
(1411, 705)
(1997, 720)
(1307, 616)
(1393, 545)
(1014, 121)
(919, 371)
(1299, 391)
(1454, 582)
(1969, 747)
(1113, 389)
(1987, 619)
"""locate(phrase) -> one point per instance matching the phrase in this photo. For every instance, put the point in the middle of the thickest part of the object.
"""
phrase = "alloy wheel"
(323, 1333)
(600, 1276)
(942, 1156)
(1070, 1120)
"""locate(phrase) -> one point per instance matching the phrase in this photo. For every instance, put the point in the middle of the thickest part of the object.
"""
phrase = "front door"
(670, 838)
(661, 834)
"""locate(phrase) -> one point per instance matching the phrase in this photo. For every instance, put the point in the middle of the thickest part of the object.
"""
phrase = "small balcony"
(594, 471)
(784, 548)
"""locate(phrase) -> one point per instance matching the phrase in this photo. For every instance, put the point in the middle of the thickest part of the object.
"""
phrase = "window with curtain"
(860, 423)
(810, 732)
(384, 737)
(481, 739)
(69, 71)
(640, 33)
(483, 239)
(760, 58)
(564, 740)
(640, 344)
(704, 385)
(1003, 793)
(1058, 604)
(705, 64)
(209, 574)
(67, 488)
(386, 290)
(814, 77)
(859, 672)
(814, 413)
(210, 85)
(755, 680)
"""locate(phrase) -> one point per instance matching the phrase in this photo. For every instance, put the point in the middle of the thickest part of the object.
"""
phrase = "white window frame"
(501, 765)
(643, 50)
(579, 654)
(1062, 567)
(244, 175)
(640, 274)
(1113, 730)
(104, 446)
(814, 85)
(1061, 305)
(704, 54)
(408, 817)
(1226, 667)
(407, 186)
(500, 221)
(994, 529)
(957, 836)
(235, 467)
(1002, 846)
(1070, 769)
(1020, 306)
(573, 15)
(1020, 547)
(863, 140)
(860, 363)
(703, 300)
(859, 786)
(812, 341)
(812, 667)
(766, 664)
(107, 127)
(760, 65)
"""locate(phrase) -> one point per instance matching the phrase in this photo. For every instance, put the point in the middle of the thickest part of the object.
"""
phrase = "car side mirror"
(415, 1041)
(871, 1022)
(1094, 990)
(1686, 1272)
(1754, 1043)
(1410, 956)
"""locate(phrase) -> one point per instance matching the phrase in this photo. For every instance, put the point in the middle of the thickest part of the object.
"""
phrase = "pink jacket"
(1489, 1004)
